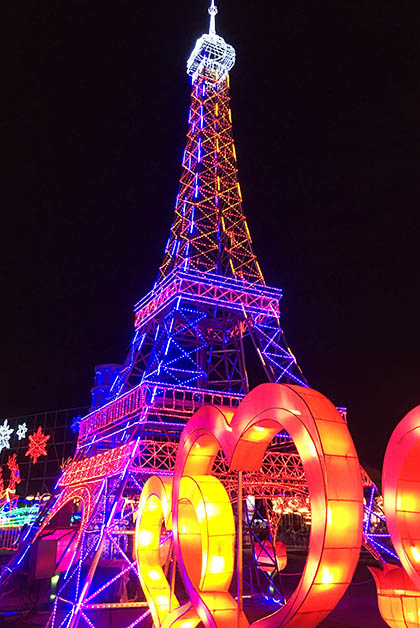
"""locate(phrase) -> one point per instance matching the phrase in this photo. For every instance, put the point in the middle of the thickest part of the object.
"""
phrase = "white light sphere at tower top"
(212, 58)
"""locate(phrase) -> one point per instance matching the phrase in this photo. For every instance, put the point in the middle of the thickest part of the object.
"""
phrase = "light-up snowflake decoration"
(5, 433)
(75, 424)
(21, 431)
(37, 445)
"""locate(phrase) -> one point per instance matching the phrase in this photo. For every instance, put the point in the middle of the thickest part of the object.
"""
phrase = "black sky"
(325, 99)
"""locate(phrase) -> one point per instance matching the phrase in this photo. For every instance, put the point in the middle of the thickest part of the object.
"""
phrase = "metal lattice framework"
(209, 303)
(209, 233)
(210, 293)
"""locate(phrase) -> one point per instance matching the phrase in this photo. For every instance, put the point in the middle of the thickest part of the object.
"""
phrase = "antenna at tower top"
(212, 13)
(212, 58)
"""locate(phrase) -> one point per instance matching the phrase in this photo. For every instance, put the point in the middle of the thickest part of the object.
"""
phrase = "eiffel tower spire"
(212, 13)
(209, 233)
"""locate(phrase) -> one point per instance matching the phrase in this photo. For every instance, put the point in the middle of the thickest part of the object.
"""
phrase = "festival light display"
(21, 431)
(37, 445)
(41, 476)
(332, 471)
(5, 433)
(399, 588)
(398, 598)
(8, 494)
(401, 486)
(210, 294)
(28, 469)
(172, 502)
(14, 473)
(17, 517)
(182, 433)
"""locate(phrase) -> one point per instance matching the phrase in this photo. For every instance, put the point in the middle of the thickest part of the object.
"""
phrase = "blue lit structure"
(209, 309)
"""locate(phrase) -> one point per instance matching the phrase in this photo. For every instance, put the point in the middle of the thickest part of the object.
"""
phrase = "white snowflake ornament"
(21, 431)
(5, 432)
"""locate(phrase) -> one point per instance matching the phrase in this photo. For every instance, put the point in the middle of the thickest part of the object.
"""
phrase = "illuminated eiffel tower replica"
(209, 314)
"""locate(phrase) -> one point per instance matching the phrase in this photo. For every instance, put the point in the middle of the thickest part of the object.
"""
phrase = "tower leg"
(240, 549)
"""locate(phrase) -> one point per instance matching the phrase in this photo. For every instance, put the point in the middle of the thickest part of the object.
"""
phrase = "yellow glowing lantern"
(153, 512)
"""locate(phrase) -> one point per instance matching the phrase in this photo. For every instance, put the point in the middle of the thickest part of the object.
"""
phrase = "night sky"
(325, 102)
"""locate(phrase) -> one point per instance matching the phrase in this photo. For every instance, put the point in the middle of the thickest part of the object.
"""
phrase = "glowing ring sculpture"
(201, 512)
(401, 486)
(332, 472)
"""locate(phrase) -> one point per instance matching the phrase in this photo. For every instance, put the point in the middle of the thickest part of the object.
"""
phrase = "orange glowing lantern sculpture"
(270, 556)
(202, 518)
(398, 599)
(398, 589)
(401, 486)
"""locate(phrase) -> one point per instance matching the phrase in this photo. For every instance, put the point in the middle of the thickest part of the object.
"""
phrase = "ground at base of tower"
(357, 609)
(359, 606)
